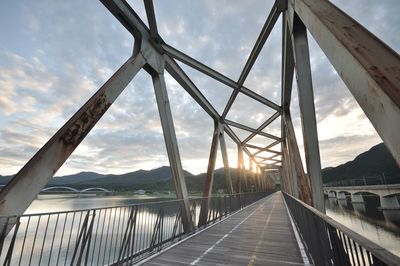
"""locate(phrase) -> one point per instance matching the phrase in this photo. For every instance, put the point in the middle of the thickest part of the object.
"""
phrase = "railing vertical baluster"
(52, 241)
(70, 234)
(362, 254)
(124, 217)
(44, 239)
(8, 258)
(23, 241)
(355, 251)
(369, 257)
(3, 234)
(34, 240)
(62, 238)
(351, 250)
(95, 236)
(105, 243)
(101, 236)
(116, 233)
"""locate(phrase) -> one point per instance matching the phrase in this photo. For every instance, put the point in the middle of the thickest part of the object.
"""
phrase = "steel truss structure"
(369, 68)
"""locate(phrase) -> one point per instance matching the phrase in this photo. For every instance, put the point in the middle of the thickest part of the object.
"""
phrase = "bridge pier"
(390, 207)
(366, 203)
(344, 199)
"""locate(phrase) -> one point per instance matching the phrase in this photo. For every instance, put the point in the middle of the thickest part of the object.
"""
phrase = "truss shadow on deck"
(261, 234)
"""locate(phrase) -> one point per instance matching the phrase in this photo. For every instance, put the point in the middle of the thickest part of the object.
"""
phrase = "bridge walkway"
(261, 234)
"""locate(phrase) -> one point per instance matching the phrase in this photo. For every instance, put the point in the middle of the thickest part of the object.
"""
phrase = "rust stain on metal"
(77, 132)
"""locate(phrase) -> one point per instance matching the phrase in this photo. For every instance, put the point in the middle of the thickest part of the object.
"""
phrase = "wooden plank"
(258, 235)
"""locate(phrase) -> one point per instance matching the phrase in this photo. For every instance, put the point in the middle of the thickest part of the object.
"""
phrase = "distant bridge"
(64, 189)
(380, 190)
(384, 197)
(70, 189)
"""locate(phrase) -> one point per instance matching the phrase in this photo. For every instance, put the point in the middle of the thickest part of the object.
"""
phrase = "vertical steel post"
(286, 167)
(226, 162)
(244, 174)
(208, 183)
(251, 175)
(304, 182)
(171, 143)
(307, 110)
(239, 169)
(293, 172)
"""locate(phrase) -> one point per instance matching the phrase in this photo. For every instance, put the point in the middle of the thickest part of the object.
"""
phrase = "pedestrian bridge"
(63, 189)
(129, 234)
(263, 228)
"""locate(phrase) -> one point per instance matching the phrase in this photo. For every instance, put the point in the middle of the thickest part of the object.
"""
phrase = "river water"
(371, 225)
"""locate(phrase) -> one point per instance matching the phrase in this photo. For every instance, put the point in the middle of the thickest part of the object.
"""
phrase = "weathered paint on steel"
(369, 68)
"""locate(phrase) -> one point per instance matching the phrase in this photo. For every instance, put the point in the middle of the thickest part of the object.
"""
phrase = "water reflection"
(84, 230)
(366, 221)
(57, 202)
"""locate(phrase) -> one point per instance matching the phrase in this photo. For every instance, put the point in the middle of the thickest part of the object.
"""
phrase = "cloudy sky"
(55, 54)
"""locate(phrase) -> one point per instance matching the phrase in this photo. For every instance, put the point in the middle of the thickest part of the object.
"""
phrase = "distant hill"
(128, 181)
(373, 162)
(4, 179)
(158, 179)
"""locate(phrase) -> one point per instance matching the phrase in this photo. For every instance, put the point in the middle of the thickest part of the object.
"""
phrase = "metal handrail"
(109, 235)
(331, 243)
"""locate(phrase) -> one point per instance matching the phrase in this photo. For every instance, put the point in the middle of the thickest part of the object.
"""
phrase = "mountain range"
(375, 161)
(158, 179)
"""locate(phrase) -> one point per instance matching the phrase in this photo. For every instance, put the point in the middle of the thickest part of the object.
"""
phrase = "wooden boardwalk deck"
(258, 235)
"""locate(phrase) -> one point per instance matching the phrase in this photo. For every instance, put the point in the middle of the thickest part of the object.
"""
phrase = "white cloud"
(70, 49)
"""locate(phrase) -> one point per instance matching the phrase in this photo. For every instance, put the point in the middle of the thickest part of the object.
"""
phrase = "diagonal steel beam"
(262, 38)
(287, 63)
(180, 76)
(268, 147)
(128, 18)
(262, 149)
(226, 162)
(171, 144)
(307, 111)
(241, 126)
(268, 158)
(151, 18)
(304, 182)
(231, 134)
(44, 164)
(259, 98)
(368, 67)
(184, 58)
(209, 180)
(264, 125)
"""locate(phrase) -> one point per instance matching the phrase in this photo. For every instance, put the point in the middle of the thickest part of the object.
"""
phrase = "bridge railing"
(104, 236)
(330, 243)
